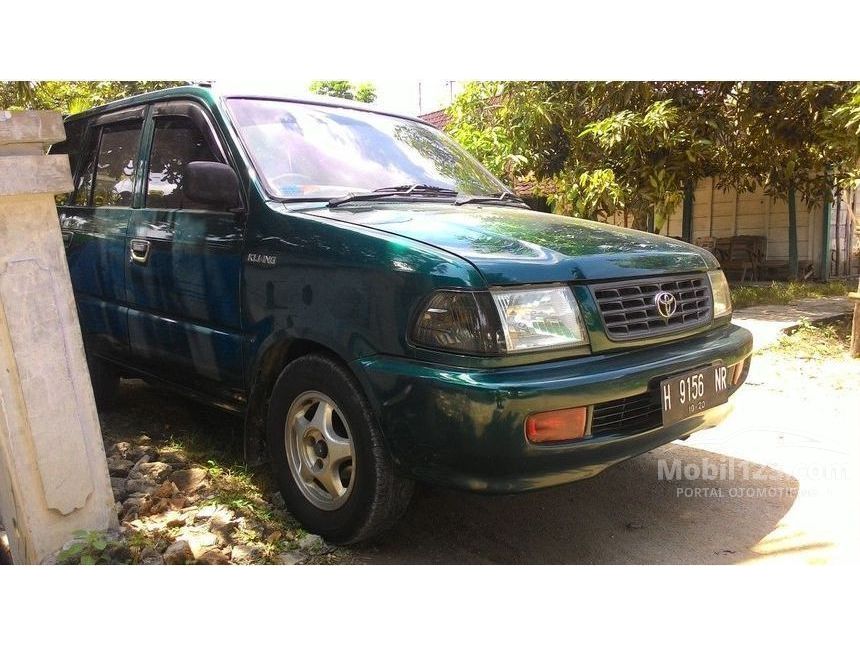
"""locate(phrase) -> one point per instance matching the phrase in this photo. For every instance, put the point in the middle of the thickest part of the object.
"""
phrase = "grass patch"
(783, 293)
(830, 340)
(243, 491)
(94, 547)
(248, 494)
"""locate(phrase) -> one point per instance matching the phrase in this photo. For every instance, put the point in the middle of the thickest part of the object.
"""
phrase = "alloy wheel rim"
(320, 450)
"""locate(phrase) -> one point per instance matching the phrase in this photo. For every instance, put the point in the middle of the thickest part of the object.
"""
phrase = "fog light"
(557, 425)
(737, 372)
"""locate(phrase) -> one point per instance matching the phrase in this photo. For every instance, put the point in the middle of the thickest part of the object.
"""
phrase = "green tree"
(795, 140)
(607, 147)
(364, 92)
(640, 147)
(845, 118)
(663, 140)
(70, 97)
(478, 118)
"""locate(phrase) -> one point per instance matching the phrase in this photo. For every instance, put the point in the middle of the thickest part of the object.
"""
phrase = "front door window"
(176, 142)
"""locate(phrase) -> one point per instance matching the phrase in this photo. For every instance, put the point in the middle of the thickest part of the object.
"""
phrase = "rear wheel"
(105, 380)
(328, 456)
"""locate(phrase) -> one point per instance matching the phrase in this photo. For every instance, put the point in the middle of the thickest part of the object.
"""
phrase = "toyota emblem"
(666, 304)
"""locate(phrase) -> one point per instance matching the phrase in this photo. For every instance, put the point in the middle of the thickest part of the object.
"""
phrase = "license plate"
(688, 394)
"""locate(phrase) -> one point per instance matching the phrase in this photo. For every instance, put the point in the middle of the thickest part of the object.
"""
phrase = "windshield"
(312, 151)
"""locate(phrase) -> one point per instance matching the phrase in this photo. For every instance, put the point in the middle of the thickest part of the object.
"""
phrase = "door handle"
(67, 238)
(140, 251)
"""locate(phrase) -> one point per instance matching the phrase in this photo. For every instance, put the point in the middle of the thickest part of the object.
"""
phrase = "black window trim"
(128, 114)
(73, 168)
(97, 133)
(198, 116)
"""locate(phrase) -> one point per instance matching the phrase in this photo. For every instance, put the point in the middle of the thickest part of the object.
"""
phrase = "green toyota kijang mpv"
(379, 308)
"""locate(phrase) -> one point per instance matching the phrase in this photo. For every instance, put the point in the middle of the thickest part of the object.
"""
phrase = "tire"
(343, 499)
(105, 380)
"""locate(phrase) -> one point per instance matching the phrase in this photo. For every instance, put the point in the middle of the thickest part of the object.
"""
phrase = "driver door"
(183, 273)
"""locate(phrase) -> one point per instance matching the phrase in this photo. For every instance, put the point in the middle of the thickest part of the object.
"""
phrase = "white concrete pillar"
(53, 474)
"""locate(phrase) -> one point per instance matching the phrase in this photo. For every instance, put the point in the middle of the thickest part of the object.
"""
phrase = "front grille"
(627, 416)
(629, 311)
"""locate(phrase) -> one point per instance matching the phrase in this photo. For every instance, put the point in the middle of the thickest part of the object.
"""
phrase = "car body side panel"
(96, 253)
(335, 284)
(185, 301)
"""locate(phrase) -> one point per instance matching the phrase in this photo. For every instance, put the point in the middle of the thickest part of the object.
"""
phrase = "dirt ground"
(776, 482)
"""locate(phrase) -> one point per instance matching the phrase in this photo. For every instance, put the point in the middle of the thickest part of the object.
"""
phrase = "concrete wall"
(718, 213)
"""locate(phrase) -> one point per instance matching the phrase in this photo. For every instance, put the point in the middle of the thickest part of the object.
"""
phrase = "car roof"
(212, 92)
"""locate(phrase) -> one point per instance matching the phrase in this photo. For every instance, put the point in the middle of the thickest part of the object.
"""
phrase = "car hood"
(519, 246)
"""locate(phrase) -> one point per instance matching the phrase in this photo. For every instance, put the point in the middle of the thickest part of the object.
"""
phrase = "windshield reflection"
(314, 151)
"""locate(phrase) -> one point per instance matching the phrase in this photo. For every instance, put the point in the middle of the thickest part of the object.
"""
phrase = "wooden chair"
(766, 268)
(709, 243)
(723, 248)
(743, 255)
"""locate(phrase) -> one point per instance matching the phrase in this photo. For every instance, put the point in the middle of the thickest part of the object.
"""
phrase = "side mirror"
(211, 183)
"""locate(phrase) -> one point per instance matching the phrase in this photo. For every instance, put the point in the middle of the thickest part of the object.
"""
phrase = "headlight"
(498, 322)
(459, 321)
(540, 318)
(720, 290)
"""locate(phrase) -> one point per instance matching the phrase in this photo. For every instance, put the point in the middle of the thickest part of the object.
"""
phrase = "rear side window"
(176, 142)
(115, 168)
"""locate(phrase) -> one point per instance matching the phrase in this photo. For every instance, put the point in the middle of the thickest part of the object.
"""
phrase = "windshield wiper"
(503, 197)
(407, 190)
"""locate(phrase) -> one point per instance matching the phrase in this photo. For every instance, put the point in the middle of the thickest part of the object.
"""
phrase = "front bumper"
(465, 427)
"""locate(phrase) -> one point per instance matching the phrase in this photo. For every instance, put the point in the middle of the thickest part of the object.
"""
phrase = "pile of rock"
(165, 504)
(169, 514)
(146, 481)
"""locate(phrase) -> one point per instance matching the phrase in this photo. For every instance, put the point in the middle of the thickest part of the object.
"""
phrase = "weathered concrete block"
(53, 473)
(40, 127)
(32, 174)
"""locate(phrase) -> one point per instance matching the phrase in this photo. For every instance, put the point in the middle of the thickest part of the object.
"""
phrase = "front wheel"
(328, 455)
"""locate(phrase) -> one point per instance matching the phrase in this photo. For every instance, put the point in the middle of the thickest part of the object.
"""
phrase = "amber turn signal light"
(557, 425)
(738, 371)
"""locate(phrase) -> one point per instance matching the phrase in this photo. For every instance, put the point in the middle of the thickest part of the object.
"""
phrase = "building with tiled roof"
(438, 119)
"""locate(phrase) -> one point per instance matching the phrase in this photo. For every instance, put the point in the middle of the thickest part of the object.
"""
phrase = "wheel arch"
(273, 358)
